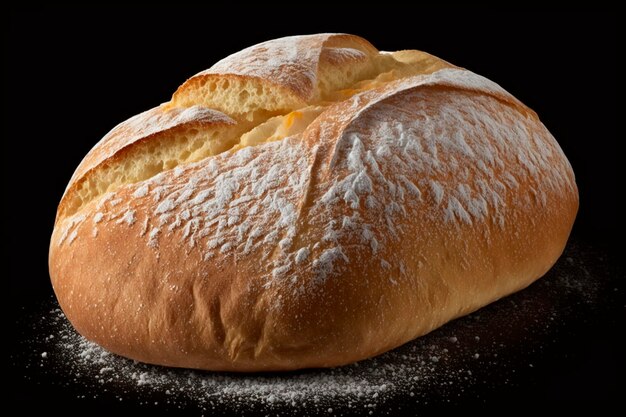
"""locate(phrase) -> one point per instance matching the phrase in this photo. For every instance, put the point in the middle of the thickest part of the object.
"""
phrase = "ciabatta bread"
(308, 202)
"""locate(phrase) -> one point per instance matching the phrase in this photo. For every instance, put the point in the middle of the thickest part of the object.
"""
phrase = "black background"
(71, 74)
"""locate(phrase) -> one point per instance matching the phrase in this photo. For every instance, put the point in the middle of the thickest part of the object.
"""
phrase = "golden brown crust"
(398, 209)
(145, 125)
(132, 133)
(291, 64)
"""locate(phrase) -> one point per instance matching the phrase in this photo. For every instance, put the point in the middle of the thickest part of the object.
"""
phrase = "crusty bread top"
(144, 145)
(148, 124)
(289, 73)
(212, 111)
(342, 169)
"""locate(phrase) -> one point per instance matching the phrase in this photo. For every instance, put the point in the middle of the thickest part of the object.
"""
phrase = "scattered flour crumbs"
(484, 348)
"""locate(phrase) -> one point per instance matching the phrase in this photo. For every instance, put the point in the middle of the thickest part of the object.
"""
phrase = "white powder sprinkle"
(437, 191)
(302, 255)
(72, 236)
(141, 191)
(153, 236)
(128, 217)
(226, 247)
(144, 227)
(165, 206)
(325, 265)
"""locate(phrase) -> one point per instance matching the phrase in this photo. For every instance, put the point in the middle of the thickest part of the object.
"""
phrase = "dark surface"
(72, 74)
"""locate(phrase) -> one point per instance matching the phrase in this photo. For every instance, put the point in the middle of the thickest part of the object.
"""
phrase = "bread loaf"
(308, 202)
